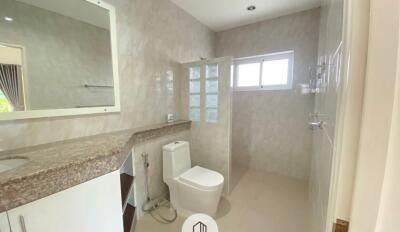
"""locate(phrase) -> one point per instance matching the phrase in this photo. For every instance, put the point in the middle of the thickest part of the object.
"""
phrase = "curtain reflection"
(11, 85)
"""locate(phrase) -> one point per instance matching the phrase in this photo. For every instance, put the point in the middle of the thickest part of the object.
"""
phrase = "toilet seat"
(202, 178)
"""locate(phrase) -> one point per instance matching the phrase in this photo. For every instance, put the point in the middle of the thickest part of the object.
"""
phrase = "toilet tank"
(176, 159)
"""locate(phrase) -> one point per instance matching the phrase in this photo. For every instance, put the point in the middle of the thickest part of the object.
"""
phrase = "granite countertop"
(58, 166)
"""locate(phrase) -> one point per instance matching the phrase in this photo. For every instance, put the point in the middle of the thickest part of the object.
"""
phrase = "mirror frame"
(88, 110)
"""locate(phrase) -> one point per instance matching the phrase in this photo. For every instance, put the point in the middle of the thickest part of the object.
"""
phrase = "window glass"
(195, 100)
(212, 115)
(194, 86)
(212, 86)
(248, 75)
(275, 72)
(194, 93)
(194, 72)
(267, 72)
(194, 114)
(212, 101)
(203, 86)
(212, 71)
(5, 106)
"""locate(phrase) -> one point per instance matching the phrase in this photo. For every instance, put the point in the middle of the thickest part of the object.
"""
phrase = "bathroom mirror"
(57, 58)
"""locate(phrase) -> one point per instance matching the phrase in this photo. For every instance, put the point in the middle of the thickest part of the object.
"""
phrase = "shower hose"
(154, 206)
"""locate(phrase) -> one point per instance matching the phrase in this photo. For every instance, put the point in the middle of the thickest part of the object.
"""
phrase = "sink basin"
(8, 164)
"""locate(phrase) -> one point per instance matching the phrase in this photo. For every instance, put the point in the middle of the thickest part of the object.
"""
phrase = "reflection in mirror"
(54, 55)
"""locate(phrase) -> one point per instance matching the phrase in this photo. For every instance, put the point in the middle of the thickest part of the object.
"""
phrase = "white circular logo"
(200, 223)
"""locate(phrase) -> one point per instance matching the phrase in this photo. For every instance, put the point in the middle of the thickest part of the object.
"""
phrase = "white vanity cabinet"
(4, 226)
(92, 206)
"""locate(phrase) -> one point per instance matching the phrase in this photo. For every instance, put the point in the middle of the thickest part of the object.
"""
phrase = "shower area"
(285, 90)
(276, 80)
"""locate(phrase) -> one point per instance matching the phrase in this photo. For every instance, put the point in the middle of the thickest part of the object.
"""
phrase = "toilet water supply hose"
(153, 206)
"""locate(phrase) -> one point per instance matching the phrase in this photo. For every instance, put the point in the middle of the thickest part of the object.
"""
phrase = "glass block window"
(212, 86)
(212, 71)
(211, 92)
(212, 100)
(194, 93)
(195, 100)
(212, 115)
(194, 114)
(170, 83)
(195, 86)
(194, 72)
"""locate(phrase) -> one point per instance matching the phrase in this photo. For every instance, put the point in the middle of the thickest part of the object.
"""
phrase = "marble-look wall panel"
(62, 54)
(153, 148)
(270, 129)
(326, 105)
(154, 37)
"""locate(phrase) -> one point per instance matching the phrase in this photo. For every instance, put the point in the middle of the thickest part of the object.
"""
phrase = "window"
(5, 106)
(268, 72)
(194, 93)
(212, 92)
(203, 86)
(248, 74)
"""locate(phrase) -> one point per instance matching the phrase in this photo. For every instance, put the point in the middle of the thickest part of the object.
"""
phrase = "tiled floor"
(259, 202)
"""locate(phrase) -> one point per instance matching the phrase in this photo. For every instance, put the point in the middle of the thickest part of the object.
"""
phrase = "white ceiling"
(220, 15)
(78, 9)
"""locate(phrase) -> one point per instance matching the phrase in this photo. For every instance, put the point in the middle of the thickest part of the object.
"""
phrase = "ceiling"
(220, 15)
(77, 9)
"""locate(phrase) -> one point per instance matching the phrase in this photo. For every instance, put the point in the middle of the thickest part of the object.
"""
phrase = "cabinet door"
(4, 226)
(94, 206)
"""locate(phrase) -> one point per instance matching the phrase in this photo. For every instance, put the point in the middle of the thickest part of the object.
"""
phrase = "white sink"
(8, 164)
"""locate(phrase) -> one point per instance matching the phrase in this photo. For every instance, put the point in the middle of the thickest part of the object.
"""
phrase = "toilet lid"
(202, 178)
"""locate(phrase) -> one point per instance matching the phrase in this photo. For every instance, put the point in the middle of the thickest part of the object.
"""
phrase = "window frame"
(289, 55)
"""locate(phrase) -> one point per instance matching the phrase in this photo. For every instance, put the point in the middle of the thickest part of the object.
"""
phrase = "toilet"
(192, 189)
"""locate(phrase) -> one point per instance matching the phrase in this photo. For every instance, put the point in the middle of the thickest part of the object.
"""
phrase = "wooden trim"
(340, 226)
